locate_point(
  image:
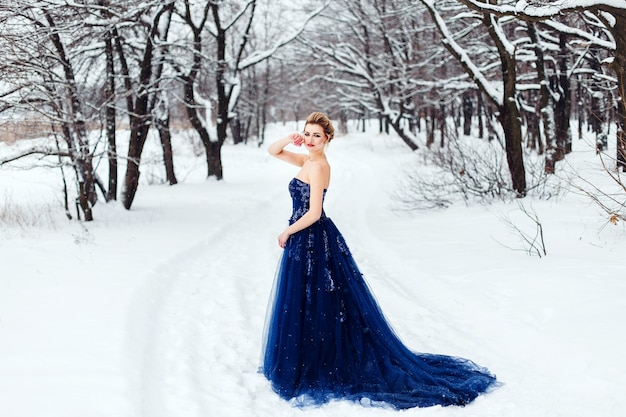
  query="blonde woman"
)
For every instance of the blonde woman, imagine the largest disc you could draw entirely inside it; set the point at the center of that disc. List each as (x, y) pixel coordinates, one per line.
(326, 337)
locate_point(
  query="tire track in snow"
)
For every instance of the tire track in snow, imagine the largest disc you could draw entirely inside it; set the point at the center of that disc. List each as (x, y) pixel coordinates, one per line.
(205, 311)
(207, 305)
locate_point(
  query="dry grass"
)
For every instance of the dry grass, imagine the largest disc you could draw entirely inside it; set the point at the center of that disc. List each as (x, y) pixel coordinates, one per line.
(26, 216)
(11, 131)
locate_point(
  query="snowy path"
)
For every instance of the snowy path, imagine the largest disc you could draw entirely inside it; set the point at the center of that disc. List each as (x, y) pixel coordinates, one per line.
(207, 305)
(201, 304)
(159, 311)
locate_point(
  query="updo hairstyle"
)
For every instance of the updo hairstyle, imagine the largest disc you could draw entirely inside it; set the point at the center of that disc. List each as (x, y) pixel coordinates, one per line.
(320, 119)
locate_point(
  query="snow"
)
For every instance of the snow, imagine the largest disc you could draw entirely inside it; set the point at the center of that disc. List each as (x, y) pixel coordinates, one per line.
(492, 91)
(548, 8)
(159, 311)
(545, 10)
(555, 7)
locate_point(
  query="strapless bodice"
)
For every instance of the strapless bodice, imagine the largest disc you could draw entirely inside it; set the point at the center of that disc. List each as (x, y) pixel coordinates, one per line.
(300, 192)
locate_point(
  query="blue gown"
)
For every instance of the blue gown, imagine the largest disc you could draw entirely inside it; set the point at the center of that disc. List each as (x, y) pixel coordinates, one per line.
(326, 337)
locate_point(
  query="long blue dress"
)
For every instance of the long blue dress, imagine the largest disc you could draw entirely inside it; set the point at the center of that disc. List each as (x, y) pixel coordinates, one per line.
(326, 337)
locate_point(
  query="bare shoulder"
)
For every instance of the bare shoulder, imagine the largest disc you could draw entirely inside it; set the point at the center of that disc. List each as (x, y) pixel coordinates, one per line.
(319, 167)
(318, 171)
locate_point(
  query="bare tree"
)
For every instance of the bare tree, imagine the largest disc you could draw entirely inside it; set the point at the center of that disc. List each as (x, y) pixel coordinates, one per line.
(45, 68)
(609, 19)
(140, 98)
(230, 27)
(368, 50)
(552, 59)
(505, 99)
(110, 98)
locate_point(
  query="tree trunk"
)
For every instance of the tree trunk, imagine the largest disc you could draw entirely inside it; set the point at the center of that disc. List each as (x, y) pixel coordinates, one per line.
(511, 124)
(533, 132)
(619, 66)
(110, 110)
(401, 132)
(343, 121)
(139, 127)
(598, 121)
(509, 113)
(74, 128)
(163, 126)
(383, 124)
(489, 120)
(580, 114)
(237, 130)
(547, 135)
(214, 154)
(430, 127)
(509, 118)
(468, 110)
(196, 123)
(139, 131)
(564, 104)
(442, 124)
(621, 121)
(214, 160)
(140, 111)
(266, 93)
(481, 114)
(110, 118)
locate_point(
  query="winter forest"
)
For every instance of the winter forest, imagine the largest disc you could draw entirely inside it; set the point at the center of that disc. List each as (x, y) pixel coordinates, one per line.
(133, 165)
(528, 76)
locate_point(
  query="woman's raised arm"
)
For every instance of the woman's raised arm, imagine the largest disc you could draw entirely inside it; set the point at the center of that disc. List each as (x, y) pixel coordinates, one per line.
(277, 149)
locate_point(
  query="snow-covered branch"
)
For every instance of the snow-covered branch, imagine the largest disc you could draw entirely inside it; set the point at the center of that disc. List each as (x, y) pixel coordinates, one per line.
(259, 56)
(594, 40)
(461, 55)
(546, 11)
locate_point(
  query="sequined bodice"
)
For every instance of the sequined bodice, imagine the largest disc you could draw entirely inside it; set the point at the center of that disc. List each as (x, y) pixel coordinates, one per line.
(300, 194)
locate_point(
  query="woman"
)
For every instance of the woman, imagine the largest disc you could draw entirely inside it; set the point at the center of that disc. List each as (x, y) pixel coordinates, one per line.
(326, 337)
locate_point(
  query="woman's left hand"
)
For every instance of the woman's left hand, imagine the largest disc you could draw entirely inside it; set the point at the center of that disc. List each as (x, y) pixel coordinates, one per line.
(282, 239)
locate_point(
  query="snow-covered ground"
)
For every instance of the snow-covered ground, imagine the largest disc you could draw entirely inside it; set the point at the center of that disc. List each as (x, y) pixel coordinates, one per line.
(159, 311)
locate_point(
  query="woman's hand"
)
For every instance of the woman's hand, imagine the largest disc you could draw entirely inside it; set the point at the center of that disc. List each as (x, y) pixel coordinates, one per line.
(277, 149)
(296, 138)
(282, 239)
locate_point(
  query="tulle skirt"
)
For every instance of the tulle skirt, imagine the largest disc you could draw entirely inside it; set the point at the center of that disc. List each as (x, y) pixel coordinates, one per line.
(326, 337)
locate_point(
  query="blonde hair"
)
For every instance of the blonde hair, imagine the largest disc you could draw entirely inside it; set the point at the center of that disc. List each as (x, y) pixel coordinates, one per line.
(320, 119)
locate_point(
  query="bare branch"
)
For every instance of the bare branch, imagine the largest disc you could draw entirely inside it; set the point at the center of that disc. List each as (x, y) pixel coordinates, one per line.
(534, 242)
(259, 56)
(34, 151)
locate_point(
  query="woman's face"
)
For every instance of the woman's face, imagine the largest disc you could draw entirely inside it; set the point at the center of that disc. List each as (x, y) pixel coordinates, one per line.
(314, 137)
